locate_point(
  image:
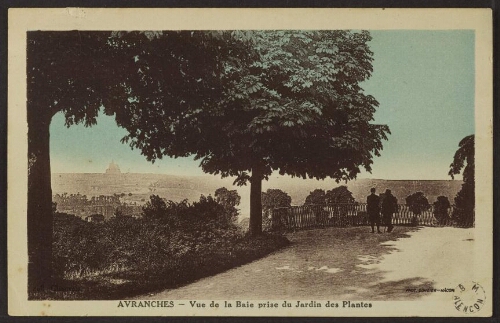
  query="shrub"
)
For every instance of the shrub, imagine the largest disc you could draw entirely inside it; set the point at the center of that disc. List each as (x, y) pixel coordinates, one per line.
(227, 198)
(271, 199)
(316, 197)
(417, 203)
(441, 207)
(338, 195)
(155, 208)
(464, 211)
(80, 247)
(342, 200)
(169, 234)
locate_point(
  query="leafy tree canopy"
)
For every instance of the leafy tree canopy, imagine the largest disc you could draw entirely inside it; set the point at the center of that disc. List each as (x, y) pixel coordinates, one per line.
(464, 211)
(316, 197)
(339, 194)
(290, 102)
(442, 202)
(464, 156)
(155, 208)
(274, 198)
(441, 207)
(417, 202)
(228, 198)
(80, 72)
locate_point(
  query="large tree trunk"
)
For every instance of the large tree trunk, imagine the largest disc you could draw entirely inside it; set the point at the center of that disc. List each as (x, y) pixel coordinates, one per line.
(39, 200)
(256, 202)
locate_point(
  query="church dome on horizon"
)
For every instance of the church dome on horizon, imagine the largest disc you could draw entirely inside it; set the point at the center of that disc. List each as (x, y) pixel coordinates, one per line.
(113, 168)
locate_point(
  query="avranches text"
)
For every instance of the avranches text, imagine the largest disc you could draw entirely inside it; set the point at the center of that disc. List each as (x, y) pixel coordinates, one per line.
(244, 304)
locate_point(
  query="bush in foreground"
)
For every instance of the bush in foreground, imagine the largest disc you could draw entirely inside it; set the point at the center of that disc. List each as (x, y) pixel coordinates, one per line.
(173, 244)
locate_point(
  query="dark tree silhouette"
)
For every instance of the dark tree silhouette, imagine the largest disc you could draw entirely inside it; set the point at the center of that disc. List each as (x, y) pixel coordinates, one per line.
(339, 195)
(417, 203)
(228, 198)
(77, 73)
(441, 207)
(464, 211)
(61, 76)
(341, 199)
(118, 213)
(316, 197)
(316, 200)
(274, 198)
(155, 208)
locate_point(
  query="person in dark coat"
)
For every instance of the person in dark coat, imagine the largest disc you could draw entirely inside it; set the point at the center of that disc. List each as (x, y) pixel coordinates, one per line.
(389, 206)
(373, 210)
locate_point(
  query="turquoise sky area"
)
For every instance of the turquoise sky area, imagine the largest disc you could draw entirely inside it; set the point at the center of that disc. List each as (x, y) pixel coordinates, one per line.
(423, 80)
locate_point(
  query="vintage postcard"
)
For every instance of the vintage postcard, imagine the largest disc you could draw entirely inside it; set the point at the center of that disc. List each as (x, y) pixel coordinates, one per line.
(250, 162)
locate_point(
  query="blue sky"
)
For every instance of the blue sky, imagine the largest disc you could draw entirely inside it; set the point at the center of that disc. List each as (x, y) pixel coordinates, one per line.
(423, 80)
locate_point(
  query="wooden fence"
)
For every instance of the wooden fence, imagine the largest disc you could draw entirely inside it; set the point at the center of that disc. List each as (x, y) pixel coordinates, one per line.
(345, 215)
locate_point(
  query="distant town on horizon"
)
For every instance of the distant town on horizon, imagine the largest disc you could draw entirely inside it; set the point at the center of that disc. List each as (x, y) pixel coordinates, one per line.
(136, 188)
(114, 169)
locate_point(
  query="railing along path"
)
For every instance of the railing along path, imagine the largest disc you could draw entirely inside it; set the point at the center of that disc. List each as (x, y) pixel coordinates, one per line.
(353, 214)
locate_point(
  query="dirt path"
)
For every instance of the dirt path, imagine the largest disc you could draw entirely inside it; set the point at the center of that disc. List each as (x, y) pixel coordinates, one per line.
(343, 263)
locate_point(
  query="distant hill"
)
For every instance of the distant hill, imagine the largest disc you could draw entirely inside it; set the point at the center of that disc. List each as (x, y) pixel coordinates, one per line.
(138, 187)
(135, 186)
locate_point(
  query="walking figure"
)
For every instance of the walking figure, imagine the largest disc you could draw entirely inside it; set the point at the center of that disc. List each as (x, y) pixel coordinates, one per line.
(389, 206)
(373, 209)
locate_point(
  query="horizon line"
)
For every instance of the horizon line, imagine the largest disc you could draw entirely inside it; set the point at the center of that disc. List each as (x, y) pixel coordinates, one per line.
(164, 174)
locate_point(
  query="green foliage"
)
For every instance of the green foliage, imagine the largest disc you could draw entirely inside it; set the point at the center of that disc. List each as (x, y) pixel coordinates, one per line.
(289, 102)
(227, 197)
(79, 246)
(149, 257)
(230, 199)
(316, 200)
(206, 211)
(316, 197)
(173, 82)
(79, 72)
(66, 73)
(168, 234)
(464, 156)
(417, 203)
(271, 199)
(274, 198)
(155, 208)
(441, 207)
(118, 213)
(464, 211)
(339, 195)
